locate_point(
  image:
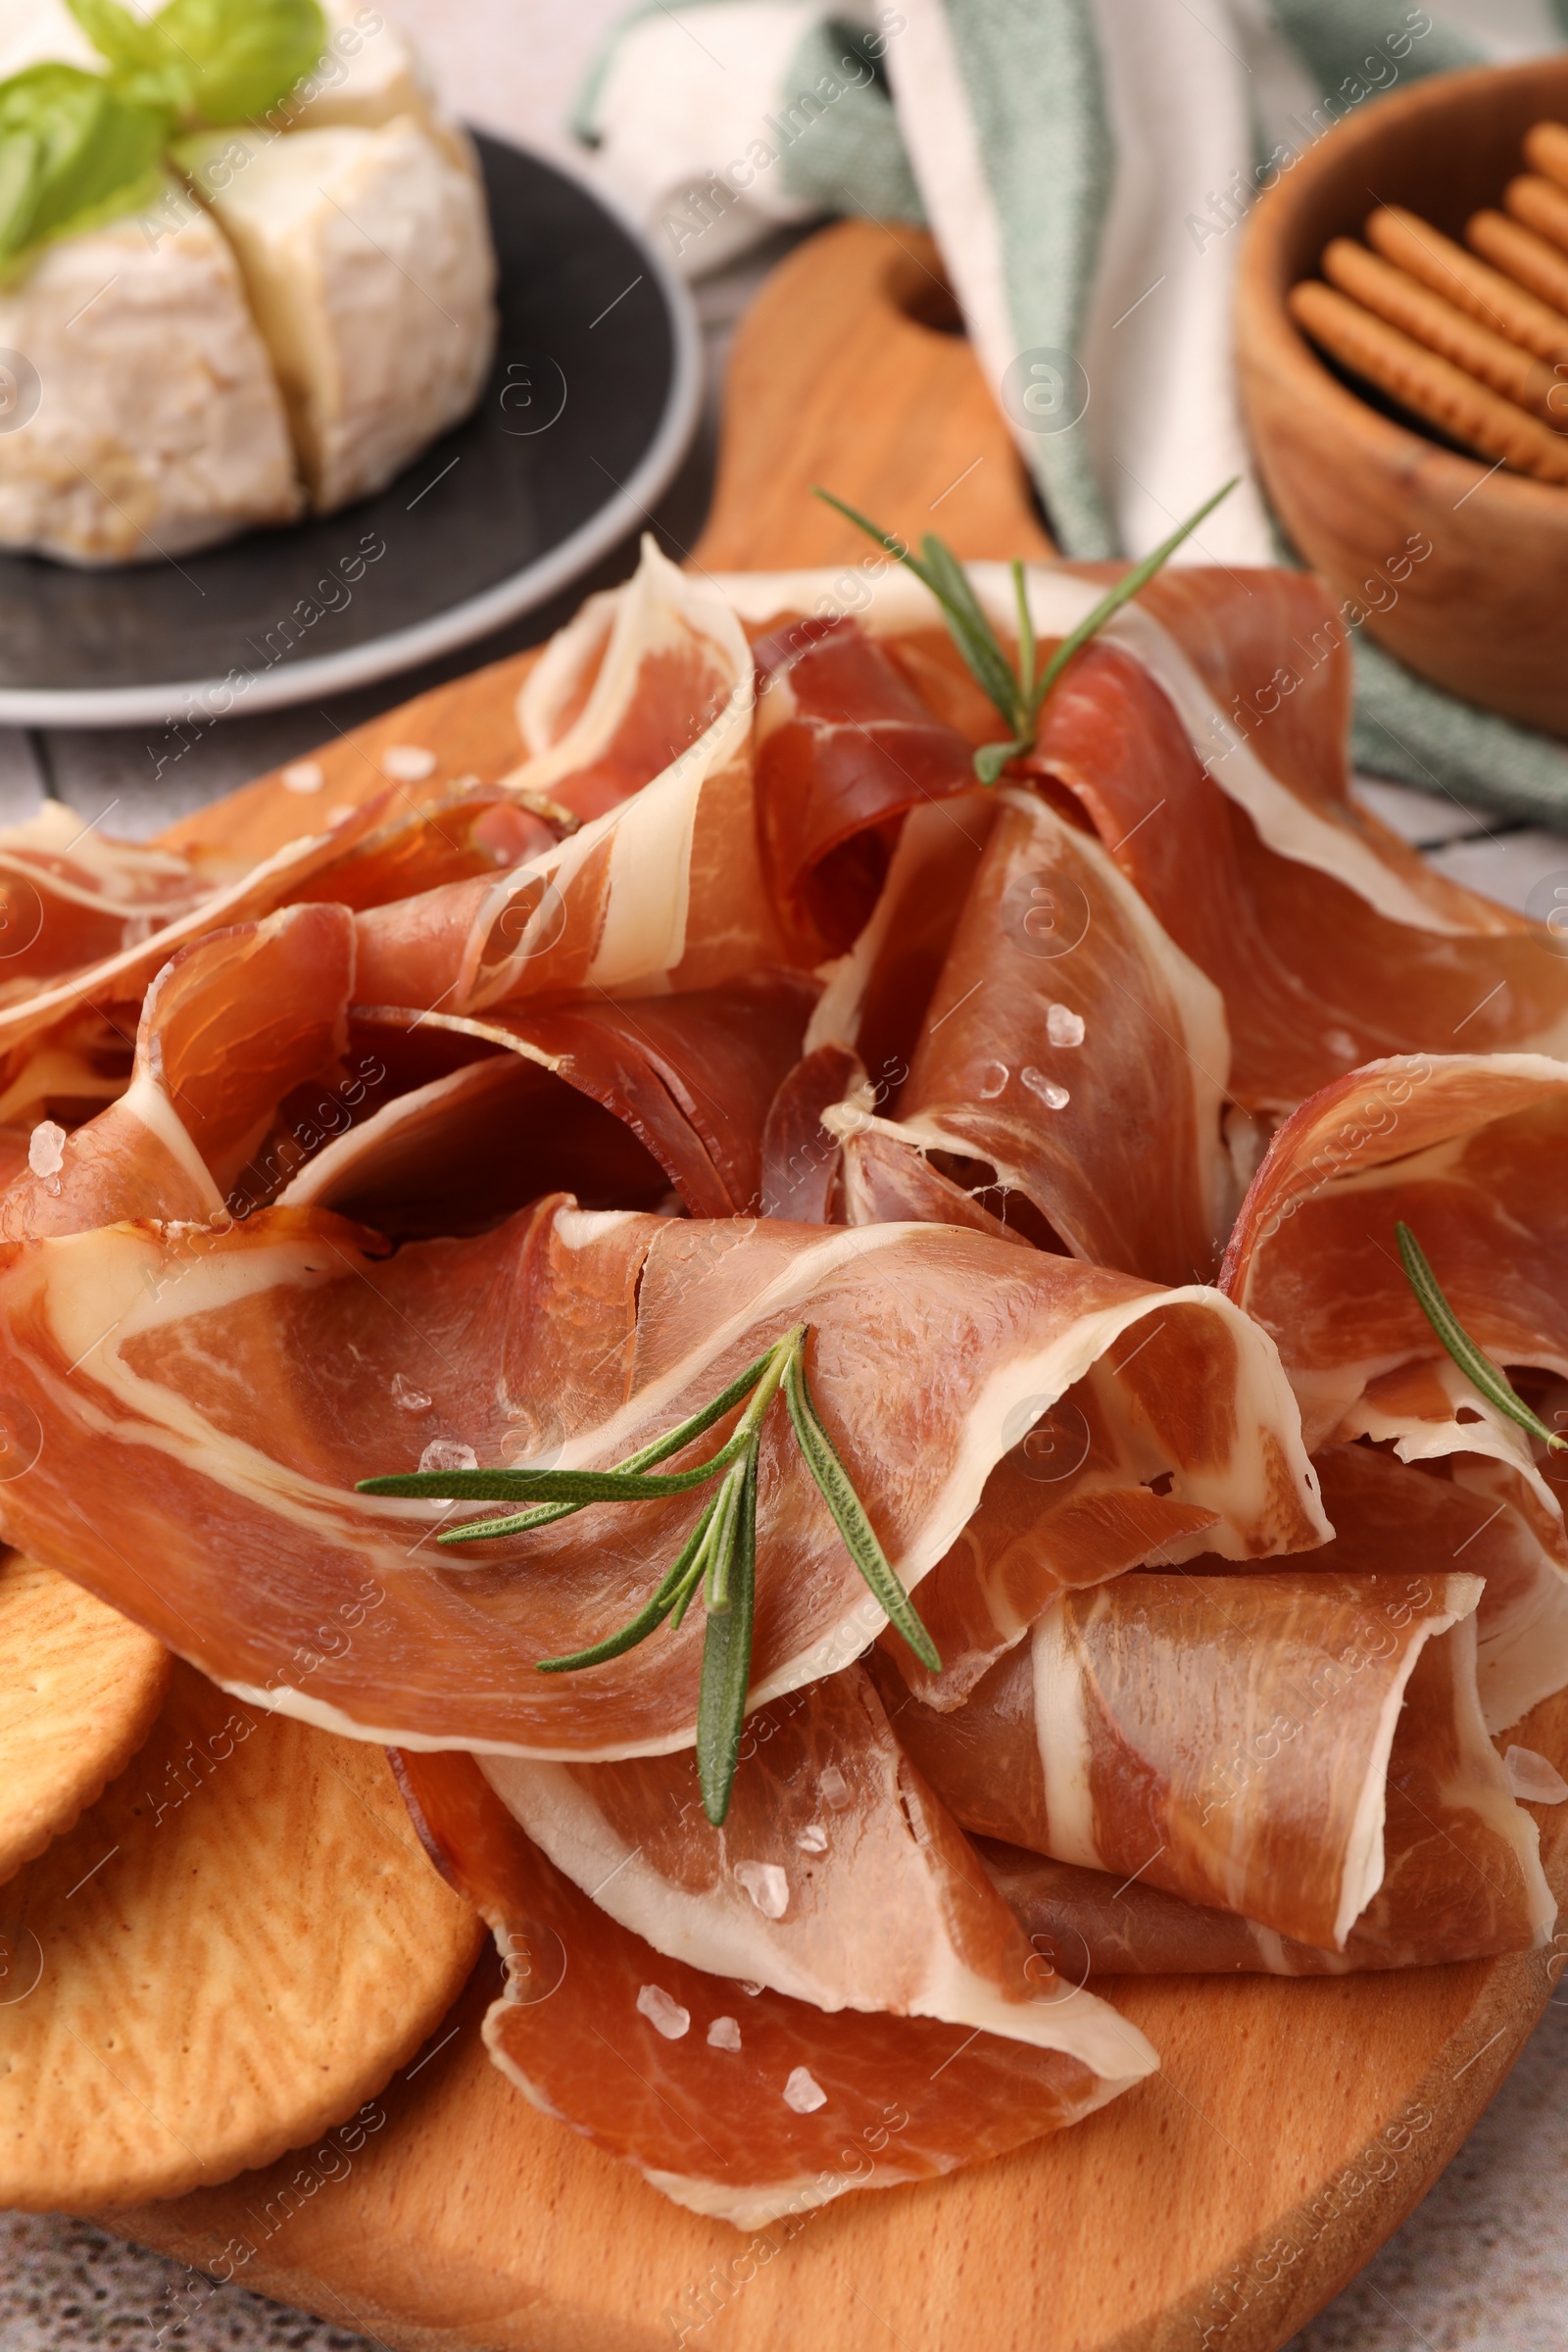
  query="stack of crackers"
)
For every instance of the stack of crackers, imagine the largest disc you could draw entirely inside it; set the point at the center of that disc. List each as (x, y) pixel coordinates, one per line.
(219, 1934)
(1471, 338)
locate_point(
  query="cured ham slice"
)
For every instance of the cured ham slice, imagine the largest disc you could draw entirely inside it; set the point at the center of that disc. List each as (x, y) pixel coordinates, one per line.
(1467, 1150)
(1316, 973)
(1490, 1519)
(641, 675)
(68, 896)
(1089, 1489)
(107, 996)
(845, 749)
(663, 886)
(616, 1104)
(220, 1393)
(663, 891)
(1064, 1034)
(838, 1878)
(1088, 1925)
(735, 2101)
(876, 997)
(230, 1024)
(1229, 1739)
(420, 846)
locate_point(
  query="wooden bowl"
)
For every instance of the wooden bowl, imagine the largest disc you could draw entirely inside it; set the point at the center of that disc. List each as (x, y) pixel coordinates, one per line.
(1485, 613)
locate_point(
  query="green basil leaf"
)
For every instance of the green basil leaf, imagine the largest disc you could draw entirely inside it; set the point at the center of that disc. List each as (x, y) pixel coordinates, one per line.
(210, 62)
(73, 151)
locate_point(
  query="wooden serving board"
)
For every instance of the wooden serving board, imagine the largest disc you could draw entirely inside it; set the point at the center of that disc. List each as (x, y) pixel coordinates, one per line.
(1295, 2123)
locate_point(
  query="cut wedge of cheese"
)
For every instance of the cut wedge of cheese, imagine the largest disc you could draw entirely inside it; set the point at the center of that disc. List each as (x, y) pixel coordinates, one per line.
(368, 74)
(367, 259)
(143, 418)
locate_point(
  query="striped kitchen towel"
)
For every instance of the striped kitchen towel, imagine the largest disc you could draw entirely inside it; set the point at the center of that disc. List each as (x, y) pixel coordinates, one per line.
(1086, 165)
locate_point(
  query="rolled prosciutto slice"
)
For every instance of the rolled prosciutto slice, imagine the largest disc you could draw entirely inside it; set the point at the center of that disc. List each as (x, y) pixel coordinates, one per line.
(69, 1011)
(663, 886)
(877, 995)
(70, 895)
(618, 1103)
(637, 678)
(1468, 1151)
(1064, 1034)
(231, 1025)
(207, 1402)
(1229, 1741)
(733, 2099)
(845, 749)
(1318, 969)
(1088, 1489)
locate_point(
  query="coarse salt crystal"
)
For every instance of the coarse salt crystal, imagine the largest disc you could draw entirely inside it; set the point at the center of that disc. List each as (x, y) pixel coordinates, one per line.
(1063, 1026)
(990, 1080)
(303, 775)
(803, 2092)
(46, 1149)
(1053, 1095)
(445, 1453)
(832, 1786)
(407, 763)
(724, 2033)
(665, 2016)
(812, 1839)
(412, 1400)
(768, 1886)
(1532, 1776)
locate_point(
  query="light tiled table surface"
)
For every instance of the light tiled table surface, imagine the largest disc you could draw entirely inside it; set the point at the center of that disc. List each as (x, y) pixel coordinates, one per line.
(1483, 2265)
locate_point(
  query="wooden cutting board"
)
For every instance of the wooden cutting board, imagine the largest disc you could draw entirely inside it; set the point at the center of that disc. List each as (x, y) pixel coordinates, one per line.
(1294, 2125)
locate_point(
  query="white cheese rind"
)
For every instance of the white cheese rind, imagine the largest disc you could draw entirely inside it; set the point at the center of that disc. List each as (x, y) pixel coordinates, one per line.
(367, 258)
(158, 426)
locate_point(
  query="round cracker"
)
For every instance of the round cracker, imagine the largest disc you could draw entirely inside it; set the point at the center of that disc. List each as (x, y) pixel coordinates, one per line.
(240, 1941)
(80, 1687)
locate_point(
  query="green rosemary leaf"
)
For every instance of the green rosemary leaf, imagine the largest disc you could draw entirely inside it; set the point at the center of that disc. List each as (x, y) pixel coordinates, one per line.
(849, 1513)
(720, 1557)
(678, 1586)
(703, 1420)
(967, 624)
(1123, 592)
(728, 1657)
(576, 1487)
(521, 1523)
(991, 758)
(972, 630)
(1016, 694)
(1476, 1367)
(1028, 649)
(873, 530)
(711, 1530)
(524, 1522)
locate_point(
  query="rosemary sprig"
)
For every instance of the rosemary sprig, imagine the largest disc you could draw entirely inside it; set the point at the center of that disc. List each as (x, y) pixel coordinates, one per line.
(1476, 1367)
(1017, 694)
(719, 1557)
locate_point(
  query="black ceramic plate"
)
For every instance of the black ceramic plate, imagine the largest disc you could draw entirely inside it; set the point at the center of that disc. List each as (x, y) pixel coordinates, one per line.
(588, 412)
